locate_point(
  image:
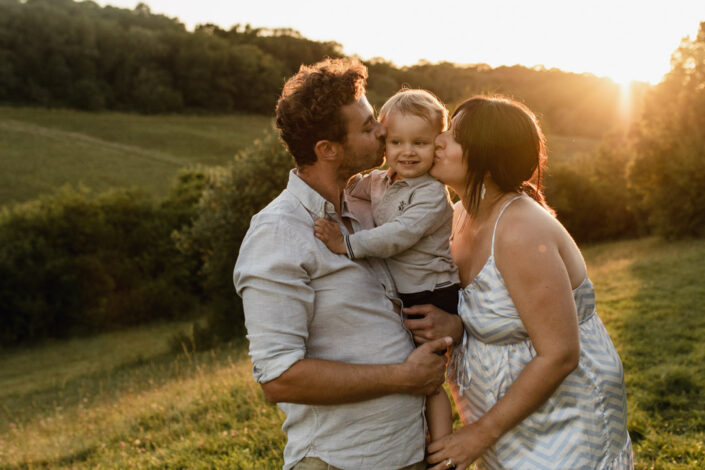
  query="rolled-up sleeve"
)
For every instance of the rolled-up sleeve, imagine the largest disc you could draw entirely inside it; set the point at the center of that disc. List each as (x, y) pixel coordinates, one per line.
(278, 301)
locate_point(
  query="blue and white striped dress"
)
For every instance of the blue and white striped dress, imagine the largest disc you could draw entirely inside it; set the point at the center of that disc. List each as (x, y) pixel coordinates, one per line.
(582, 425)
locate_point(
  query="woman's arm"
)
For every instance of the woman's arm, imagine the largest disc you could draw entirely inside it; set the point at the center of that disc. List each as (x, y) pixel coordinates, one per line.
(527, 256)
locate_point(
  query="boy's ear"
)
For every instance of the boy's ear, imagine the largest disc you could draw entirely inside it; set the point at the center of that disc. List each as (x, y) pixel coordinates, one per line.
(327, 150)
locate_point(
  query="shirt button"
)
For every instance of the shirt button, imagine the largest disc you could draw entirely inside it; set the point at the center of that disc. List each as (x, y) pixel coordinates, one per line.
(329, 206)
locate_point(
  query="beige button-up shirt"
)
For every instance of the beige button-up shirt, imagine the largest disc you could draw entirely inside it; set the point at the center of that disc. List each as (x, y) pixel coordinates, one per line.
(303, 301)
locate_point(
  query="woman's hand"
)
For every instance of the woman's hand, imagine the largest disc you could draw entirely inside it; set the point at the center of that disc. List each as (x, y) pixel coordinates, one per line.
(462, 447)
(433, 323)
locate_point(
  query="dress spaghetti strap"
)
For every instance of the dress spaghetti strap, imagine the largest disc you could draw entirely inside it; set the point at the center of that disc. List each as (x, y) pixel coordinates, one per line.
(494, 231)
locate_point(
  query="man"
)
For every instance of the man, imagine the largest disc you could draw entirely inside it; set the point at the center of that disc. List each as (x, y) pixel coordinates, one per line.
(326, 335)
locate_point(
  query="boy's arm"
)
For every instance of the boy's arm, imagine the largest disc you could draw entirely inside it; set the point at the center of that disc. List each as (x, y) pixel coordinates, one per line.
(429, 208)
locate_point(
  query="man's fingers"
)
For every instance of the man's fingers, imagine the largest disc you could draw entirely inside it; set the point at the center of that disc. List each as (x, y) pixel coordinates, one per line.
(416, 323)
(440, 344)
(418, 309)
(434, 447)
(420, 339)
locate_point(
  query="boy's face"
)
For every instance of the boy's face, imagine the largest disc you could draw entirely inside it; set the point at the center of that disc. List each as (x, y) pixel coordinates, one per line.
(409, 144)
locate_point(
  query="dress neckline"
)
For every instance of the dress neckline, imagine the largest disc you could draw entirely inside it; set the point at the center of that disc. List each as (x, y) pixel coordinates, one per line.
(491, 259)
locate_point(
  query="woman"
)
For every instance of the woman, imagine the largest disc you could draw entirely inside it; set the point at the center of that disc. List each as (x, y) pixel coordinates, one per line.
(535, 377)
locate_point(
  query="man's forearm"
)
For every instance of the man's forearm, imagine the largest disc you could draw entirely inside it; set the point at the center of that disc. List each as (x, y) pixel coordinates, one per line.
(321, 382)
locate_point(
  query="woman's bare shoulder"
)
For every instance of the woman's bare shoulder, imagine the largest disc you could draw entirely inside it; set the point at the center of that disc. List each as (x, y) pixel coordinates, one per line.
(525, 223)
(529, 230)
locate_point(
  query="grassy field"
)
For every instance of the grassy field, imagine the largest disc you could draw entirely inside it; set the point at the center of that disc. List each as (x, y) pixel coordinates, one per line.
(43, 149)
(122, 400)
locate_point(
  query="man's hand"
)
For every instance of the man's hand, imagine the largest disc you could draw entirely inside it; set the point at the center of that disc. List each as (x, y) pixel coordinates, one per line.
(329, 233)
(424, 369)
(430, 323)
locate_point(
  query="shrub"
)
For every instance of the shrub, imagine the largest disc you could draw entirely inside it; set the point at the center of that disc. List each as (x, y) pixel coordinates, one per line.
(668, 172)
(232, 196)
(73, 264)
(591, 196)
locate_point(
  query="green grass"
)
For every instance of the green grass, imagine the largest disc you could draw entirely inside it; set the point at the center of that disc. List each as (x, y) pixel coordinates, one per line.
(123, 400)
(43, 149)
(651, 295)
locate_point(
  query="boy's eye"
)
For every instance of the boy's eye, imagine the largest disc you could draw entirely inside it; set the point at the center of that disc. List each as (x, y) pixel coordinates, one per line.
(420, 142)
(394, 142)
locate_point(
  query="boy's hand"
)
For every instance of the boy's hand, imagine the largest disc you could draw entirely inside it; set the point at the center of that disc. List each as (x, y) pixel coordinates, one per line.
(329, 233)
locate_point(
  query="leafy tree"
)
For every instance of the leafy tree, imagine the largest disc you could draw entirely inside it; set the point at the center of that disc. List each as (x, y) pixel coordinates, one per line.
(70, 263)
(591, 196)
(668, 172)
(233, 195)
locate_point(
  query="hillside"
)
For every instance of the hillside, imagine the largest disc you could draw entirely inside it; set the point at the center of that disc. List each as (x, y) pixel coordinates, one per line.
(122, 399)
(44, 149)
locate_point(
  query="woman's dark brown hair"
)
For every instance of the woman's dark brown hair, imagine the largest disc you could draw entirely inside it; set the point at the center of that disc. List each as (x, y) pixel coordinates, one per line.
(501, 137)
(309, 109)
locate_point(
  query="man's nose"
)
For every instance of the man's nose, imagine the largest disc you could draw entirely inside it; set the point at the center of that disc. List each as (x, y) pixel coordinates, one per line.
(438, 141)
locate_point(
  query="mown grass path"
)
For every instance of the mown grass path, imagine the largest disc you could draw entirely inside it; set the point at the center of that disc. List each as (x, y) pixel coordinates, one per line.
(122, 400)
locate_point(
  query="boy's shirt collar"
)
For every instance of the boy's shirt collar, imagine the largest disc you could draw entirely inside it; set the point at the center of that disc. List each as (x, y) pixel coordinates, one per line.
(411, 182)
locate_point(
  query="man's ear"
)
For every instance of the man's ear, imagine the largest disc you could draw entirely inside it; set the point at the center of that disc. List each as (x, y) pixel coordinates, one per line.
(327, 150)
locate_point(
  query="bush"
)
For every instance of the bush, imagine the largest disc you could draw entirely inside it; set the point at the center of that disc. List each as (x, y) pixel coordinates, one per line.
(73, 264)
(668, 172)
(669, 182)
(591, 196)
(232, 196)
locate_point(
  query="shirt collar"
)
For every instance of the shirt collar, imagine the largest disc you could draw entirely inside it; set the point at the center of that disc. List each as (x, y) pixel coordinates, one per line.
(411, 182)
(312, 200)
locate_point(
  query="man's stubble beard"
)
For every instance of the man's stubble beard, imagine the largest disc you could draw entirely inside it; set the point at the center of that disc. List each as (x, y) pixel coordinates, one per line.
(353, 166)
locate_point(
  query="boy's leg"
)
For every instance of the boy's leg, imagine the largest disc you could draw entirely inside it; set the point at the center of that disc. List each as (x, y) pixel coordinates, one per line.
(439, 415)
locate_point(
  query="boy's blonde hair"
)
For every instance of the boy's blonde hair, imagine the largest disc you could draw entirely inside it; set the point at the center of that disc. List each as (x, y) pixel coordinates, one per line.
(417, 102)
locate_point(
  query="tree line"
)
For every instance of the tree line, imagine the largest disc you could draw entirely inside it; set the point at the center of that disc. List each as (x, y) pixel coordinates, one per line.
(73, 262)
(63, 53)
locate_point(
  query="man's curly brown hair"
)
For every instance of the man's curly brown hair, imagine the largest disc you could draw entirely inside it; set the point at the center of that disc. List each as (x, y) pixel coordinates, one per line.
(309, 109)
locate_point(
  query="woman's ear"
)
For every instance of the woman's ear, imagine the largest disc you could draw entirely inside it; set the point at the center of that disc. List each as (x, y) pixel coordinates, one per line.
(327, 150)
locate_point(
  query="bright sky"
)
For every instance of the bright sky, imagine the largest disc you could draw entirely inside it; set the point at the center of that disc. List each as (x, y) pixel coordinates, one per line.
(623, 39)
